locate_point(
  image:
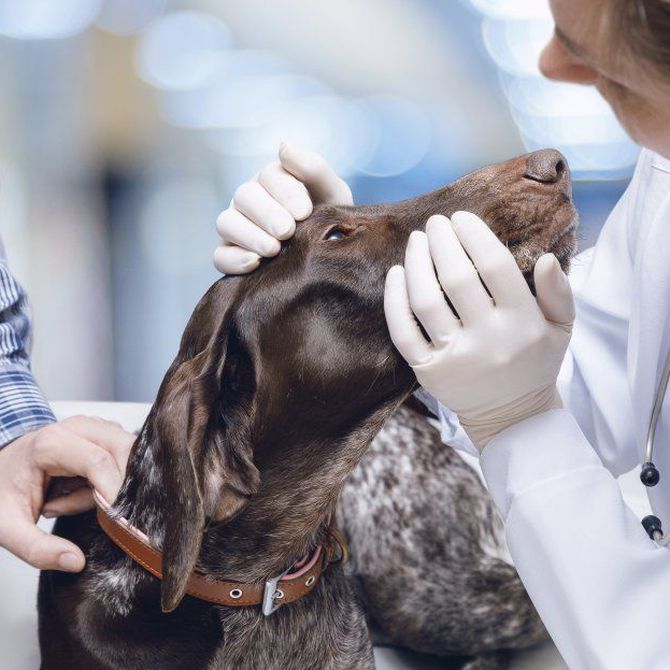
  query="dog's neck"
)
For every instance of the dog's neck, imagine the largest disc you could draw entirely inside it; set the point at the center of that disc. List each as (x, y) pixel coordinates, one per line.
(283, 522)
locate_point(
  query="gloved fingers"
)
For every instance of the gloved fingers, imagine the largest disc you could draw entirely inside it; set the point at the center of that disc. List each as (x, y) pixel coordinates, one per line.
(494, 262)
(313, 171)
(425, 295)
(554, 294)
(403, 328)
(288, 191)
(42, 550)
(455, 270)
(233, 260)
(262, 210)
(236, 228)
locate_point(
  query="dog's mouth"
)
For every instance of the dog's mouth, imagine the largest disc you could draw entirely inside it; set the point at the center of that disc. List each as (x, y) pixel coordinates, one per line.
(565, 246)
(527, 251)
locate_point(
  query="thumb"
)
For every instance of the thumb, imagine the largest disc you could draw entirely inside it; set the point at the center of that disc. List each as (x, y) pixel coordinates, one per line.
(313, 171)
(41, 550)
(554, 295)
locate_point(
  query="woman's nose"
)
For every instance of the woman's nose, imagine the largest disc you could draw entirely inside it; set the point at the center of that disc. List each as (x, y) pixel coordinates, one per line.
(557, 63)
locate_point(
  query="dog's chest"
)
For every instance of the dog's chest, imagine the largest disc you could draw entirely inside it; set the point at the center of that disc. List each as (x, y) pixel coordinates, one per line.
(328, 631)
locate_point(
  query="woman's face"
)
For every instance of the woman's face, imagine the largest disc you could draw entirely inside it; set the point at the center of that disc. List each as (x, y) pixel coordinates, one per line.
(583, 51)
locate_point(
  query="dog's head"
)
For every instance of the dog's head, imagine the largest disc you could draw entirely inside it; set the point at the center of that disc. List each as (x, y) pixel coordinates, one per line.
(284, 376)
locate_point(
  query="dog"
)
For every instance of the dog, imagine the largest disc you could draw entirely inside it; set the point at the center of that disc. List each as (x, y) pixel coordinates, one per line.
(282, 381)
(429, 560)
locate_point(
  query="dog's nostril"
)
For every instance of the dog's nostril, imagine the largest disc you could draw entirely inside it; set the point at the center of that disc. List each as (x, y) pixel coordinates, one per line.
(547, 166)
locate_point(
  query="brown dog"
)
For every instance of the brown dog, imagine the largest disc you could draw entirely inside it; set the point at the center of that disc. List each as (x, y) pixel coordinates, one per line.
(282, 380)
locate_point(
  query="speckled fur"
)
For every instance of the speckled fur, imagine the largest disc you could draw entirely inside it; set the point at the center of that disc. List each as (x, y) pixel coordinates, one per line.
(282, 380)
(428, 549)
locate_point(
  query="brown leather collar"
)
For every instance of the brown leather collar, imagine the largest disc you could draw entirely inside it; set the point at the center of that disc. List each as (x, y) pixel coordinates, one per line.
(284, 588)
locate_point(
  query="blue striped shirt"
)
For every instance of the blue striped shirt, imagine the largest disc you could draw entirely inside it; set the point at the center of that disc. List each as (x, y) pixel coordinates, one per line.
(23, 407)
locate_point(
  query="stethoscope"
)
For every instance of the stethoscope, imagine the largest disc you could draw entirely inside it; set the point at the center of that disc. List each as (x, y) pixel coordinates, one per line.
(649, 475)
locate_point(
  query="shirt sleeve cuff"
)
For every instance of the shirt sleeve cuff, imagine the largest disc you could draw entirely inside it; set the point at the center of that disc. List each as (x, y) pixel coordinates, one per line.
(23, 407)
(528, 454)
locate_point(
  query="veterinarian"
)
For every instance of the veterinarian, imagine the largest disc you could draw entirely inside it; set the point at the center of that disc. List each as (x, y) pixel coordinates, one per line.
(601, 585)
(34, 447)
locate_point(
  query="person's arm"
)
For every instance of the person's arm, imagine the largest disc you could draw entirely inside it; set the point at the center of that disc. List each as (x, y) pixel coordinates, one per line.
(596, 389)
(23, 407)
(608, 596)
(600, 585)
(34, 448)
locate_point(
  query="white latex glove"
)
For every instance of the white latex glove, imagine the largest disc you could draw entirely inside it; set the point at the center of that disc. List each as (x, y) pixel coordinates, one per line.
(265, 210)
(497, 364)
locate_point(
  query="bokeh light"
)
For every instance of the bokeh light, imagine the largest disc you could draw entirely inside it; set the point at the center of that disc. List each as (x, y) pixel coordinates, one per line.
(403, 136)
(338, 128)
(513, 9)
(246, 102)
(236, 100)
(514, 45)
(182, 50)
(125, 17)
(574, 119)
(46, 19)
(169, 243)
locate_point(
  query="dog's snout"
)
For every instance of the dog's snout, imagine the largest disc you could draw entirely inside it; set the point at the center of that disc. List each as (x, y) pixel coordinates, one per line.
(547, 166)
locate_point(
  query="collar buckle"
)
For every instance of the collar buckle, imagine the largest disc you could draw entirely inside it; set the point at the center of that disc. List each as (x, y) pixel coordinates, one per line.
(272, 595)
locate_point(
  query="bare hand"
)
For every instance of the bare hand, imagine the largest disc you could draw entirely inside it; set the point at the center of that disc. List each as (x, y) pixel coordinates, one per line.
(81, 446)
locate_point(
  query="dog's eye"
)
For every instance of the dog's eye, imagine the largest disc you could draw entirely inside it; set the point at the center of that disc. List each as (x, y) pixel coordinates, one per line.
(335, 234)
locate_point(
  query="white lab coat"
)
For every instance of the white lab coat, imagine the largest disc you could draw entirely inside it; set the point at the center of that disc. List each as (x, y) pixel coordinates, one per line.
(600, 584)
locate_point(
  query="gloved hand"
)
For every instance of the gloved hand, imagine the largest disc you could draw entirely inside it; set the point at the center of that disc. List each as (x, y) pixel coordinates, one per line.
(497, 364)
(265, 210)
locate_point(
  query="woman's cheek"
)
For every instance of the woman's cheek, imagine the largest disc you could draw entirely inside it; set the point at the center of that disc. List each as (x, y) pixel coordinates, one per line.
(624, 104)
(644, 121)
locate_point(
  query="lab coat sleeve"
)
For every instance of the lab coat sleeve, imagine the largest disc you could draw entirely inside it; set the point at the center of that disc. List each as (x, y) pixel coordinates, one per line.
(593, 379)
(600, 585)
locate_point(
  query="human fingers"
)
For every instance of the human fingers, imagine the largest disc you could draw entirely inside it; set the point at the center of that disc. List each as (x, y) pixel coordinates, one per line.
(425, 294)
(313, 170)
(405, 332)
(458, 276)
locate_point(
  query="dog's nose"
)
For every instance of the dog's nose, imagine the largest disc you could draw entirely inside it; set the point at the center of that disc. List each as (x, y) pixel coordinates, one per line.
(547, 166)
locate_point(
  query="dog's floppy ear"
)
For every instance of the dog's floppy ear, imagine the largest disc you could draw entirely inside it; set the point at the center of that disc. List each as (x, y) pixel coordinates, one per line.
(206, 460)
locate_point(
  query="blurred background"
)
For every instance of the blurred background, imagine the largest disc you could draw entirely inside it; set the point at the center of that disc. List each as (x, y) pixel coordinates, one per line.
(127, 124)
